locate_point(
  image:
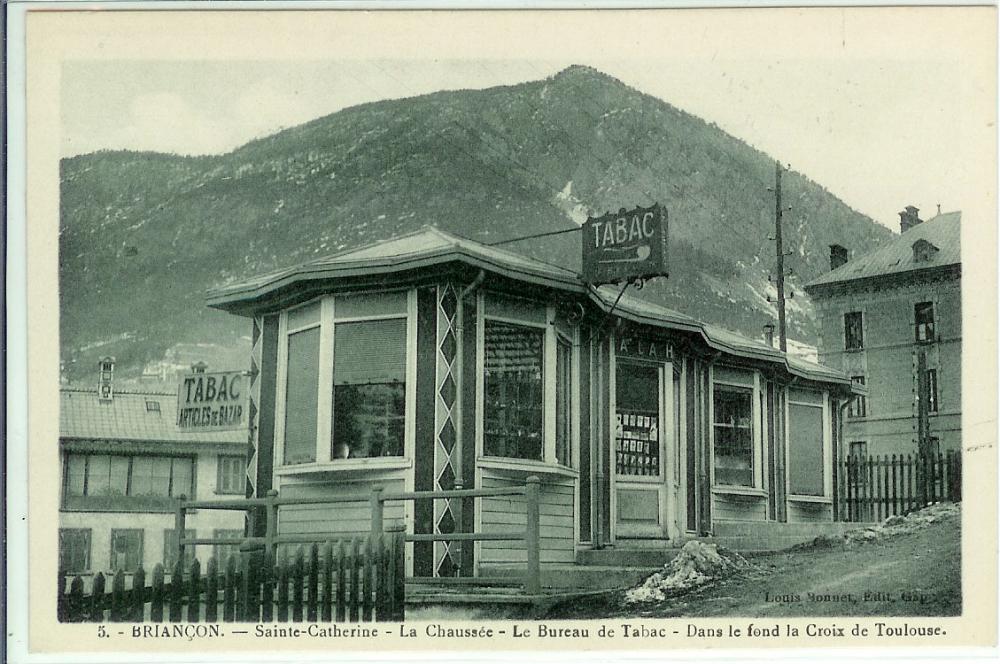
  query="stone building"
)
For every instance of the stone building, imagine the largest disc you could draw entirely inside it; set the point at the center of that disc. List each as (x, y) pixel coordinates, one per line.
(892, 320)
(124, 464)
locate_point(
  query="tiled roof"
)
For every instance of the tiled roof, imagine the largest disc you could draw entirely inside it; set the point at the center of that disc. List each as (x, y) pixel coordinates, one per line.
(432, 246)
(896, 257)
(127, 417)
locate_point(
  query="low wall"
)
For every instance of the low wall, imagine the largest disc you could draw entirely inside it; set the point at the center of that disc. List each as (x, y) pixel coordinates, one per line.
(773, 536)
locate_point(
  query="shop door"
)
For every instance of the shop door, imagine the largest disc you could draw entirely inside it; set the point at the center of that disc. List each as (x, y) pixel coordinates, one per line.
(639, 451)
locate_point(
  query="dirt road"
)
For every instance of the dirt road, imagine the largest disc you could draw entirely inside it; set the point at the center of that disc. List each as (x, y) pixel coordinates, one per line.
(912, 574)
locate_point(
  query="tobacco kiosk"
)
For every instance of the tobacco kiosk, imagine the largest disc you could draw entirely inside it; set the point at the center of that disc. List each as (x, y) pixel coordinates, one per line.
(430, 361)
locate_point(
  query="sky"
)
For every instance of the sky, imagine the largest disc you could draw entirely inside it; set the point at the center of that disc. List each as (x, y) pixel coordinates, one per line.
(880, 125)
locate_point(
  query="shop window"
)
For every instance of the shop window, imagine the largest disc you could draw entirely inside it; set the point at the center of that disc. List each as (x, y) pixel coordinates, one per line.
(126, 549)
(231, 475)
(923, 316)
(102, 481)
(74, 550)
(853, 331)
(637, 419)
(806, 473)
(564, 373)
(733, 429)
(859, 404)
(369, 393)
(223, 552)
(301, 396)
(513, 391)
(170, 550)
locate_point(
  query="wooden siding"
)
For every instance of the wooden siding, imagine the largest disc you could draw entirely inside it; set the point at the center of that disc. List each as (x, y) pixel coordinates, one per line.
(507, 515)
(730, 508)
(809, 512)
(338, 519)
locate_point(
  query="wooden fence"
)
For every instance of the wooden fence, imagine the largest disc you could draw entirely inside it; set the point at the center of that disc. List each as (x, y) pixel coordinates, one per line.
(873, 488)
(356, 580)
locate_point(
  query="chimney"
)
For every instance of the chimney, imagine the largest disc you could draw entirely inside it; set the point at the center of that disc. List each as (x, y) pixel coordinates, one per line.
(838, 256)
(769, 334)
(105, 379)
(909, 218)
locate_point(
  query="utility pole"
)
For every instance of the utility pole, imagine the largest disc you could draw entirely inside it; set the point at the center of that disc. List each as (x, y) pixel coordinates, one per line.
(780, 277)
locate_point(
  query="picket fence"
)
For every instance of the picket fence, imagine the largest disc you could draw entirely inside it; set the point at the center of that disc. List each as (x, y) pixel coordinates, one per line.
(874, 488)
(356, 580)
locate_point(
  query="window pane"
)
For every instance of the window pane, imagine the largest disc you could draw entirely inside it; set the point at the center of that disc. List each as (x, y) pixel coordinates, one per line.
(359, 306)
(98, 475)
(181, 482)
(733, 437)
(306, 315)
(369, 398)
(74, 550)
(368, 420)
(564, 373)
(170, 549)
(142, 476)
(369, 352)
(126, 550)
(923, 316)
(301, 396)
(637, 428)
(222, 552)
(232, 474)
(513, 391)
(76, 465)
(159, 482)
(853, 331)
(805, 450)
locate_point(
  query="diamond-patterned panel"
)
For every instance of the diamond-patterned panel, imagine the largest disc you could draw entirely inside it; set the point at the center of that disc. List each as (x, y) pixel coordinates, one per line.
(444, 425)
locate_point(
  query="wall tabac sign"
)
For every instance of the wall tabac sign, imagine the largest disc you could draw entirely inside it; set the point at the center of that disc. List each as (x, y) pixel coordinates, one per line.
(212, 402)
(628, 245)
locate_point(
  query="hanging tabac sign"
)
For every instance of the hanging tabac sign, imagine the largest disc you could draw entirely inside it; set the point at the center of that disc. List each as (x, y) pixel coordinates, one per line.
(631, 244)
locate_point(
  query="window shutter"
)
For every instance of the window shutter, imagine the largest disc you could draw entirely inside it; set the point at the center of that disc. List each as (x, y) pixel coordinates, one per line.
(369, 352)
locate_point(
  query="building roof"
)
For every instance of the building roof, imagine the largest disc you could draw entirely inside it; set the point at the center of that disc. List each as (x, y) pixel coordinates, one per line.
(429, 247)
(128, 418)
(896, 257)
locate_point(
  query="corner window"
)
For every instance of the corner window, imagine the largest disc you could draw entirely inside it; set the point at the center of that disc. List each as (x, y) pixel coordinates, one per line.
(859, 404)
(74, 550)
(733, 429)
(806, 444)
(126, 549)
(231, 475)
(369, 389)
(345, 366)
(513, 391)
(853, 331)
(923, 316)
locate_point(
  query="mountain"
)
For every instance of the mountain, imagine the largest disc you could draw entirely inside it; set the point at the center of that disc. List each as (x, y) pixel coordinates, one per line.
(142, 235)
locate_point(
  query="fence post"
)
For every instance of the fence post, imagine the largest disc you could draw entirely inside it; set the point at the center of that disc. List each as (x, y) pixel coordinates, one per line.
(137, 610)
(271, 521)
(156, 596)
(532, 494)
(458, 507)
(180, 517)
(399, 572)
(194, 592)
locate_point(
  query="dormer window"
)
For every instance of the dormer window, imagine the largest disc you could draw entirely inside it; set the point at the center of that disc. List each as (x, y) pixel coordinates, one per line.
(923, 251)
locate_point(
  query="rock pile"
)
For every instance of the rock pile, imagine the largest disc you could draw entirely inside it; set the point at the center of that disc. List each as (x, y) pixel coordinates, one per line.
(697, 564)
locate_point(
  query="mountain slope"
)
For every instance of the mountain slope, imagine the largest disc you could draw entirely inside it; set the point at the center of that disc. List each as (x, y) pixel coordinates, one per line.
(142, 234)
